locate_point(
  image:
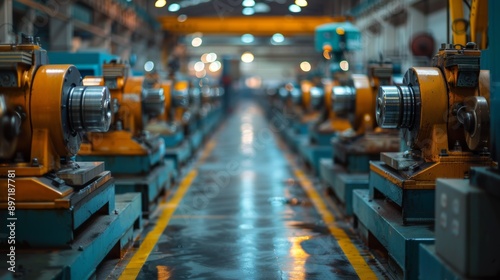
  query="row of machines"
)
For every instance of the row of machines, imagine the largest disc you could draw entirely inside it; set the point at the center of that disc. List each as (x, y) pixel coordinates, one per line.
(413, 160)
(84, 159)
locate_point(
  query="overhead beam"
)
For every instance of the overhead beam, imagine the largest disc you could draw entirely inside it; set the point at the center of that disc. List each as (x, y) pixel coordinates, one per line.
(256, 25)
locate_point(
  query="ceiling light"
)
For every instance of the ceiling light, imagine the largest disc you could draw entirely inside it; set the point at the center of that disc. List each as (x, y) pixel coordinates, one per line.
(248, 11)
(301, 3)
(199, 66)
(160, 3)
(344, 65)
(247, 38)
(196, 42)
(247, 57)
(215, 66)
(148, 66)
(294, 8)
(201, 74)
(262, 8)
(211, 57)
(182, 18)
(278, 38)
(204, 57)
(248, 3)
(305, 66)
(174, 7)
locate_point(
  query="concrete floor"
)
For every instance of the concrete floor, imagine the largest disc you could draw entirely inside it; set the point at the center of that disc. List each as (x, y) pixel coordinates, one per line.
(246, 217)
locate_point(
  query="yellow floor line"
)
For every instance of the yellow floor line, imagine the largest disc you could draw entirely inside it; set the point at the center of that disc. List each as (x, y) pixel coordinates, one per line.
(352, 253)
(140, 257)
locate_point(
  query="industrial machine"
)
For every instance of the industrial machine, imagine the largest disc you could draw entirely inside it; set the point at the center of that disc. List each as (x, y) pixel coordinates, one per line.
(442, 112)
(174, 124)
(364, 141)
(133, 154)
(211, 106)
(467, 210)
(304, 110)
(335, 41)
(63, 215)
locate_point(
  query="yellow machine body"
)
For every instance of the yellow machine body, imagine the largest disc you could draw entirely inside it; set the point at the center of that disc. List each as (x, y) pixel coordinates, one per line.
(441, 146)
(181, 86)
(331, 122)
(128, 94)
(40, 95)
(167, 90)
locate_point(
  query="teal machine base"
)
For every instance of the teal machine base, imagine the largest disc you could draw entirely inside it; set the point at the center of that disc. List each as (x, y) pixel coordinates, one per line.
(312, 154)
(417, 205)
(295, 140)
(58, 227)
(321, 139)
(195, 140)
(353, 157)
(380, 224)
(326, 171)
(104, 238)
(342, 183)
(172, 140)
(148, 175)
(180, 154)
(316, 148)
(152, 186)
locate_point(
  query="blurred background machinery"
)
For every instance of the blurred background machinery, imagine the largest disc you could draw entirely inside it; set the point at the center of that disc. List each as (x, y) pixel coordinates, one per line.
(353, 148)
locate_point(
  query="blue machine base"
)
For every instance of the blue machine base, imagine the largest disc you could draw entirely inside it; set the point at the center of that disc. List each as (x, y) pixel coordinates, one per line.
(433, 267)
(57, 227)
(344, 185)
(127, 164)
(105, 237)
(173, 140)
(312, 154)
(378, 219)
(209, 123)
(300, 127)
(195, 140)
(322, 139)
(179, 154)
(151, 186)
(173, 173)
(417, 204)
(326, 171)
(294, 140)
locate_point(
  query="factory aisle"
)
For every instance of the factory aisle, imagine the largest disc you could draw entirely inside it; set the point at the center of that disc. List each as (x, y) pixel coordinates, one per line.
(243, 216)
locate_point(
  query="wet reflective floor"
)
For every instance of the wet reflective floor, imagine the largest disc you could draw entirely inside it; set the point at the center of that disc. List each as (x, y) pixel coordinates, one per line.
(245, 217)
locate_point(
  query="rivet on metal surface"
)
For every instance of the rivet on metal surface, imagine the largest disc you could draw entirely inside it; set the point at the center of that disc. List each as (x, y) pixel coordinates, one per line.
(406, 154)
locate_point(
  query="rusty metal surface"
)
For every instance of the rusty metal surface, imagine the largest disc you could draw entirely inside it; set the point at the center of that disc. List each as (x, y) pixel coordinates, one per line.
(244, 217)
